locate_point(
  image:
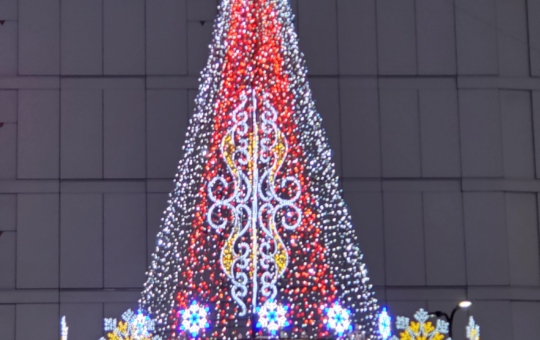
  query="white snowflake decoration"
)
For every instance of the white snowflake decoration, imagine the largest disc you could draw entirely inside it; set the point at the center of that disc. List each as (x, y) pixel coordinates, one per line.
(473, 330)
(194, 318)
(272, 316)
(385, 324)
(142, 325)
(338, 319)
(425, 329)
(139, 326)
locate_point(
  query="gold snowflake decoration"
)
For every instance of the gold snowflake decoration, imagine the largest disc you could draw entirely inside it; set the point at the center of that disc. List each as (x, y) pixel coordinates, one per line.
(473, 330)
(421, 329)
(134, 327)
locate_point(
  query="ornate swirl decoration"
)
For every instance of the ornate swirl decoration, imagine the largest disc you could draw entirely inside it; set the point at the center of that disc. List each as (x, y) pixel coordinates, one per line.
(276, 209)
(255, 202)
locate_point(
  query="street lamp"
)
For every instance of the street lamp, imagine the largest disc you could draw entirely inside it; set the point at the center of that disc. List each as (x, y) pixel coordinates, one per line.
(450, 319)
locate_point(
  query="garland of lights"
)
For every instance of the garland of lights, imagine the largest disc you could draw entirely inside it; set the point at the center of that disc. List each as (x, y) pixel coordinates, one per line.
(273, 317)
(257, 213)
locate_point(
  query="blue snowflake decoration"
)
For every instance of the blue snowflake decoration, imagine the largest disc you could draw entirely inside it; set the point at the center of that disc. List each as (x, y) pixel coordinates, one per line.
(338, 319)
(272, 316)
(194, 318)
(385, 324)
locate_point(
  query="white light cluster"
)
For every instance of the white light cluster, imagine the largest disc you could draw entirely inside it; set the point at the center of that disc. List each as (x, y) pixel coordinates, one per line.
(63, 329)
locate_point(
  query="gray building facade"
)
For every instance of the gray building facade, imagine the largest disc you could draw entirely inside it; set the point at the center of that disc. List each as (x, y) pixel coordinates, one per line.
(432, 108)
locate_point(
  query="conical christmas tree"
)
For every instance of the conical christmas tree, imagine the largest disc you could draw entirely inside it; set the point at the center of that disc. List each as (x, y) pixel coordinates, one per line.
(257, 238)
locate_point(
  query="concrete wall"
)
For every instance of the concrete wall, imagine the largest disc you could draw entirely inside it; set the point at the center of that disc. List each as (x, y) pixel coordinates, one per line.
(432, 108)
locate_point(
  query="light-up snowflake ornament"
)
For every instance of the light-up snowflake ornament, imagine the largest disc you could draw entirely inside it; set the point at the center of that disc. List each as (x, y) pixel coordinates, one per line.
(385, 324)
(338, 319)
(473, 330)
(194, 318)
(421, 329)
(272, 316)
(133, 327)
(142, 325)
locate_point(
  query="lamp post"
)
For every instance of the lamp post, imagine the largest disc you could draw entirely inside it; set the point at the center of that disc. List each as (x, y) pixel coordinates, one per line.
(462, 305)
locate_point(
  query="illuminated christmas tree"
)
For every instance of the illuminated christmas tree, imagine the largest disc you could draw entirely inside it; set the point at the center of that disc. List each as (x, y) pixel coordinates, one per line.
(256, 237)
